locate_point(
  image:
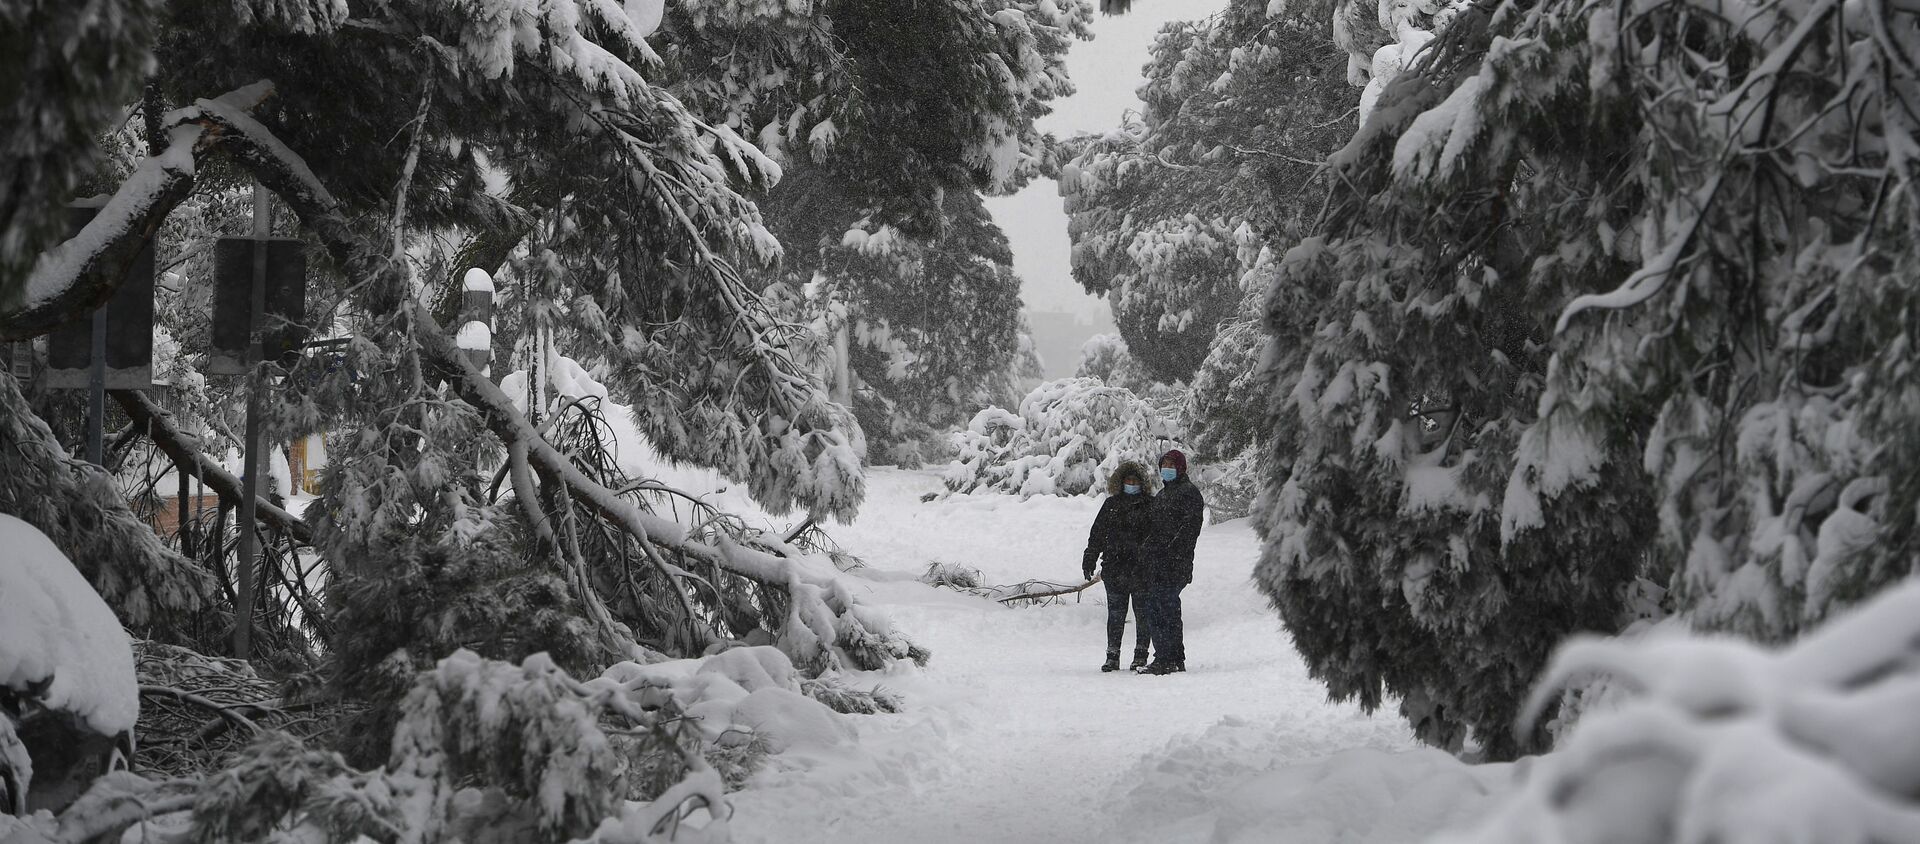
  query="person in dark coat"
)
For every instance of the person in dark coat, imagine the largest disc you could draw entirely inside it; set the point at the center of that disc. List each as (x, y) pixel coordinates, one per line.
(1173, 527)
(1118, 536)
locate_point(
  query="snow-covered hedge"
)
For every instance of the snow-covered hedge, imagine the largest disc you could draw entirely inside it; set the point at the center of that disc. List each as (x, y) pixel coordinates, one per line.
(1068, 436)
(1720, 740)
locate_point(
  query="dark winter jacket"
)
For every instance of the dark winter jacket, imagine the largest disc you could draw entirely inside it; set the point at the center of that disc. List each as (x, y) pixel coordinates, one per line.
(1120, 530)
(1173, 526)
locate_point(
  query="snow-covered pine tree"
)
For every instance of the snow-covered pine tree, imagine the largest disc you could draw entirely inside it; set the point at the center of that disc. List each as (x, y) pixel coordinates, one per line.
(933, 326)
(1106, 357)
(1242, 107)
(1588, 286)
(1408, 364)
(1239, 108)
(879, 205)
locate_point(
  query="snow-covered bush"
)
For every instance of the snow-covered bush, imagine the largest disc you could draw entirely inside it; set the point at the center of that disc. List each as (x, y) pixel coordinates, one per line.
(1721, 740)
(1069, 435)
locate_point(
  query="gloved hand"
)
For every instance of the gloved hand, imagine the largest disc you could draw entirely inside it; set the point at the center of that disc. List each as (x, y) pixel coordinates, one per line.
(1088, 573)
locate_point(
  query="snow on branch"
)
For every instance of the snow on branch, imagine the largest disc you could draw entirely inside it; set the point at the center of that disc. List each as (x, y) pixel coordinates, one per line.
(81, 273)
(1650, 279)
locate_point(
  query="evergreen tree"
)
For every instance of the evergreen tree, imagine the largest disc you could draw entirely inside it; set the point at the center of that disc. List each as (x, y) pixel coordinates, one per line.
(1570, 287)
(1169, 210)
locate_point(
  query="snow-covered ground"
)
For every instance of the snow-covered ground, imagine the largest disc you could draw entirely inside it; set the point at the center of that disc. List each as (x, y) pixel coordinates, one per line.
(1013, 734)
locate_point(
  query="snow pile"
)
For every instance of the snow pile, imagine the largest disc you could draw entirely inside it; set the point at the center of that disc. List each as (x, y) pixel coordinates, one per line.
(1235, 783)
(1359, 797)
(54, 629)
(1069, 435)
(1720, 740)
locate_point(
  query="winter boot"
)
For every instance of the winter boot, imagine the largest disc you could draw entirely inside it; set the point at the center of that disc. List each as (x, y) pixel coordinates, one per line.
(1113, 661)
(1139, 661)
(1164, 667)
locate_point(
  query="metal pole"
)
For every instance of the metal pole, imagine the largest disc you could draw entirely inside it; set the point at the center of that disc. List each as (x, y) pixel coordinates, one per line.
(186, 517)
(97, 392)
(250, 477)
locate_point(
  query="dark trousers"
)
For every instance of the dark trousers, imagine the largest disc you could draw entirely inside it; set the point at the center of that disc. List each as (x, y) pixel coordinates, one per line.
(1119, 597)
(1164, 622)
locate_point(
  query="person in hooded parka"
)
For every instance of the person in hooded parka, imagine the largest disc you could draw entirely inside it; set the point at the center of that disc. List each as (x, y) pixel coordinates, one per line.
(1116, 544)
(1176, 518)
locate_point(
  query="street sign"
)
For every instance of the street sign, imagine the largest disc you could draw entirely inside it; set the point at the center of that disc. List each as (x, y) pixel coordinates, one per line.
(128, 329)
(286, 301)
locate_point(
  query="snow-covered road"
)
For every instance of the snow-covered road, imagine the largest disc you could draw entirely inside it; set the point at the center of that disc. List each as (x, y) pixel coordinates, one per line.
(1012, 733)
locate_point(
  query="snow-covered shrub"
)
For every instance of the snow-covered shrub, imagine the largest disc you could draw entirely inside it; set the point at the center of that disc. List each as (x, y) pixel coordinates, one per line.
(429, 599)
(1721, 740)
(1069, 435)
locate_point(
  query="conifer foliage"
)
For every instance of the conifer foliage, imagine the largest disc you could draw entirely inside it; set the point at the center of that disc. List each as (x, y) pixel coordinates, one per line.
(1601, 292)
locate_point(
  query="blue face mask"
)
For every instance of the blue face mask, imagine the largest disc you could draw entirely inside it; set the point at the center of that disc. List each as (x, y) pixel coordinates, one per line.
(1132, 489)
(1167, 473)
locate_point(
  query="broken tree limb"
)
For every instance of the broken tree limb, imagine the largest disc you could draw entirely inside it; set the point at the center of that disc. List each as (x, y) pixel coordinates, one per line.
(1053, 590)
(184, 450)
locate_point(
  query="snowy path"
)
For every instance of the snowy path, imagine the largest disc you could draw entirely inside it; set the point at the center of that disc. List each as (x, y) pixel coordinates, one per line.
(1012, 733)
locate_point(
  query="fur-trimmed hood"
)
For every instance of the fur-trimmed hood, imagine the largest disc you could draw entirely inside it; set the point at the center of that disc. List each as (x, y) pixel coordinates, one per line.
(1129, 467)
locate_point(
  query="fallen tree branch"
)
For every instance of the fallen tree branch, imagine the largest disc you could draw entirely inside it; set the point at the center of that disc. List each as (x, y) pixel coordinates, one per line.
(184, 449)
(1055, 590)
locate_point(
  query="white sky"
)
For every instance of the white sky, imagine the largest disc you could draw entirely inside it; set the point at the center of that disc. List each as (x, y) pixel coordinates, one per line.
(1106, 72)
